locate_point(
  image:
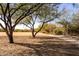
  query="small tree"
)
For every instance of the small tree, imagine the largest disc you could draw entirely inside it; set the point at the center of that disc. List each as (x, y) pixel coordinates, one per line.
(65, 24)
(10, 11)
(45, 14)
(74, 27)
(65, 19)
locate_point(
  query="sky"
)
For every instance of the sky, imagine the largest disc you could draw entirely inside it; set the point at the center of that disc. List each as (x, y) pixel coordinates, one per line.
(67, 6)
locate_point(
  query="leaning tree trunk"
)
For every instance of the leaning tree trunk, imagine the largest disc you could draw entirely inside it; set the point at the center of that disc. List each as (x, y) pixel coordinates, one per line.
(33, 34)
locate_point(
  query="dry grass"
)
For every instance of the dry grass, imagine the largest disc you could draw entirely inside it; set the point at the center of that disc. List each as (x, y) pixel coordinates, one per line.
(43, 44)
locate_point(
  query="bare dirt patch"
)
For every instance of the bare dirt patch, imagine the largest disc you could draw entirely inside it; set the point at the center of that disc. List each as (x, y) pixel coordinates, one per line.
(43, 44)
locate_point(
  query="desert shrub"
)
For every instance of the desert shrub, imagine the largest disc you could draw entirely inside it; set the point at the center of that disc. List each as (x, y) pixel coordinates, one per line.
(47, 28)
(58, 31)
(52, 29)
(73, 29)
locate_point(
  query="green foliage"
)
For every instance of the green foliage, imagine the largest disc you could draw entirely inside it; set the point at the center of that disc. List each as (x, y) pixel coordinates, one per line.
(52, 29)
(59, 31)
(48, 12)
(18, 30)
(73, 29)
(48, 28)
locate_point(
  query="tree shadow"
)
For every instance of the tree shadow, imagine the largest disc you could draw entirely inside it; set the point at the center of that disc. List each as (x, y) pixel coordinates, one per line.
(39, 37)
(57, 47)
(47, 37)
(33, 46)
(47, 49)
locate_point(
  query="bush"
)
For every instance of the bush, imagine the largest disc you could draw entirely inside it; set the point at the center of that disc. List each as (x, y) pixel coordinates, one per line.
(59, 31)
(52, 29)
(74, 29)
(47, 28)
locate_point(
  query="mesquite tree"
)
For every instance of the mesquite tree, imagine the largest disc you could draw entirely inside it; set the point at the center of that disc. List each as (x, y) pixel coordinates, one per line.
(45, 14)
(12, 14)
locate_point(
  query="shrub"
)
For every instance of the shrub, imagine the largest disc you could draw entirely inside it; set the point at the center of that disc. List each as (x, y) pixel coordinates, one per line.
(59, 31)
(52, 29)
(48, 28)
(74, 29)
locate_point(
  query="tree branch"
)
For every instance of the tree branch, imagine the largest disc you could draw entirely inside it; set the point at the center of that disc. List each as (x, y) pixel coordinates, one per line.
(26, 25)
(28, 13)
(2, 19)
(2, 26)
(24, 14)
(18, 9)
(2, 8)
(40, 28)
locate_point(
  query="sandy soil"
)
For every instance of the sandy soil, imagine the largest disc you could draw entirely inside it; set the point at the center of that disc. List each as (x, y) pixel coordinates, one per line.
(43, 44)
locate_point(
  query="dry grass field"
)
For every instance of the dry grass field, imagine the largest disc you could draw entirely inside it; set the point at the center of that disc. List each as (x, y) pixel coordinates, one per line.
(42, 45)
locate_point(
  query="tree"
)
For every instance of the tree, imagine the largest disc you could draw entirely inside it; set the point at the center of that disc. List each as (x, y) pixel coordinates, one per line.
(74, 28)
(75, 18)
(65, 19)
(45, 14)
(9, 11)
(65, 24)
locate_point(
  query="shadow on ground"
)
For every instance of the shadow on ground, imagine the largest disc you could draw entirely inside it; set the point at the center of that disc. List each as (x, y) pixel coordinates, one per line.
(47, 46)
(47, 49)
(41, 46)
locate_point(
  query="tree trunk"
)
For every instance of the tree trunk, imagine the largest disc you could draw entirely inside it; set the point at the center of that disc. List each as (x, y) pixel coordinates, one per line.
(33, 35)
(10, 37)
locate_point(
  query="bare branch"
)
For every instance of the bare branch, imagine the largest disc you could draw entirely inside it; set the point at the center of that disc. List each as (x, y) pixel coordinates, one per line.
(2, 26)
(26, 25)
(34, 19)
(2, 19)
